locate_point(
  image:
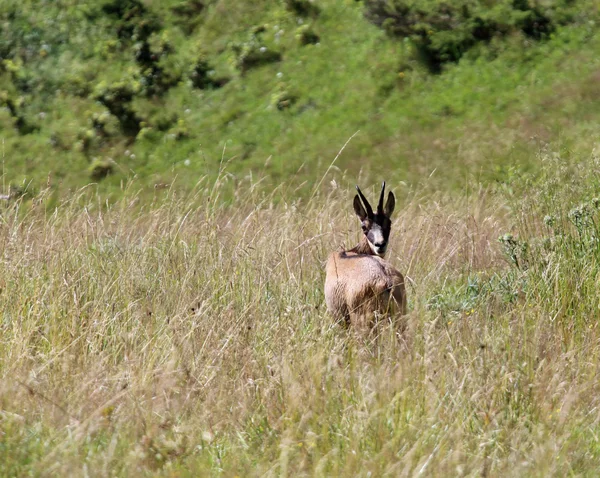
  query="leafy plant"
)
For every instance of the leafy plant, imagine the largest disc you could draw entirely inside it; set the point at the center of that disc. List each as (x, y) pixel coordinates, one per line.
(306, 35)
(101, 168)
(443, 31)
(515, 250)
(117, 98)
(202, 75)
(156, 74)
(188, 14)
(133, 20)
(15, 108)
(302, 7)
(283, 98)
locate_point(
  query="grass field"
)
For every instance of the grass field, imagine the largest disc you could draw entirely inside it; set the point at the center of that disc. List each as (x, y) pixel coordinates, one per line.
(173, 200)
(185, 338)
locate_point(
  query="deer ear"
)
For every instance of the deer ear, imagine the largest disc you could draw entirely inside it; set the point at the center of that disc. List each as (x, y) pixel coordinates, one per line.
(359, 209)
(390, 204)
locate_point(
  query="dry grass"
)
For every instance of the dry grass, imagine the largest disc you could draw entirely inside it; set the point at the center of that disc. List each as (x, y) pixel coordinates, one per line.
(185, 339)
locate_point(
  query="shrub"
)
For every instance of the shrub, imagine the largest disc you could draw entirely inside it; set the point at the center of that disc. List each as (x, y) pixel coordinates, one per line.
(306, 35)
(147, 133)
(157, 75)
(102, 124)
(15, 109)
(100, 168)
(283, 99)
(133, 21)
(20, 78)
(443, 31)
(187, 14)
(162, 120)
(85, 140)
(117, 99)
(179, 131)
(202, 75)
(136, 23)
(77, 85)
(302, 7)
(188, 8)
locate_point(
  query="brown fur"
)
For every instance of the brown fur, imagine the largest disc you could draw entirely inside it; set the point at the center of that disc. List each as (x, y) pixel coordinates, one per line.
(361, 286)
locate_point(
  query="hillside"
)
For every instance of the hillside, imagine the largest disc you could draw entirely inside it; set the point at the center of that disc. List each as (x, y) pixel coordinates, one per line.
(170, 320)
(179, 90)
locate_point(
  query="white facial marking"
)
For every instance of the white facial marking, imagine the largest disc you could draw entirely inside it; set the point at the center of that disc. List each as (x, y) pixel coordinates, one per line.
(376, 235)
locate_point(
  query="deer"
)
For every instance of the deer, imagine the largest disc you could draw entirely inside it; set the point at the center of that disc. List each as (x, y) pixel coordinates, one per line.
(360, 285)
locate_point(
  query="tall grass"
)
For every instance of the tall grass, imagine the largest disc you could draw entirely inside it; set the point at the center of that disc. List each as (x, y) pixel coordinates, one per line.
(185, 338)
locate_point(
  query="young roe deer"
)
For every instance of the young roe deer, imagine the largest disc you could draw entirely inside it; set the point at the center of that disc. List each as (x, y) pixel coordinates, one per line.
(360, 285)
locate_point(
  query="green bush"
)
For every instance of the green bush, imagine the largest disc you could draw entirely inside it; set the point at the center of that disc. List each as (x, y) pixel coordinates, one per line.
(302, 7)
(133, 20)
(77, 85)
(117, 99)
(102, 124)
(85, 140)
(283, 99)
(443, 31)
(306, 35)
(15, 109)
(20, 77)
(162, 120)
(157, 73)
(187, 14)
(100, 168)
(202, 75)
(179, 131)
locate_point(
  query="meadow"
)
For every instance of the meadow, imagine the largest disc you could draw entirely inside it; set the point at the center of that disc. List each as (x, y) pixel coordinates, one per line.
(177, 173)
(182, 337)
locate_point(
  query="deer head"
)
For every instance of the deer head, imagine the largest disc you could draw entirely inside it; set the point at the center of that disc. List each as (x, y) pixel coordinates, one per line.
(376, 226)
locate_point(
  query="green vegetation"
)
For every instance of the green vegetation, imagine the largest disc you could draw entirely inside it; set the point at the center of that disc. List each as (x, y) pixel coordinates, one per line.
(443, 32)
(170, 92)
(184, 338)
(169, 320)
